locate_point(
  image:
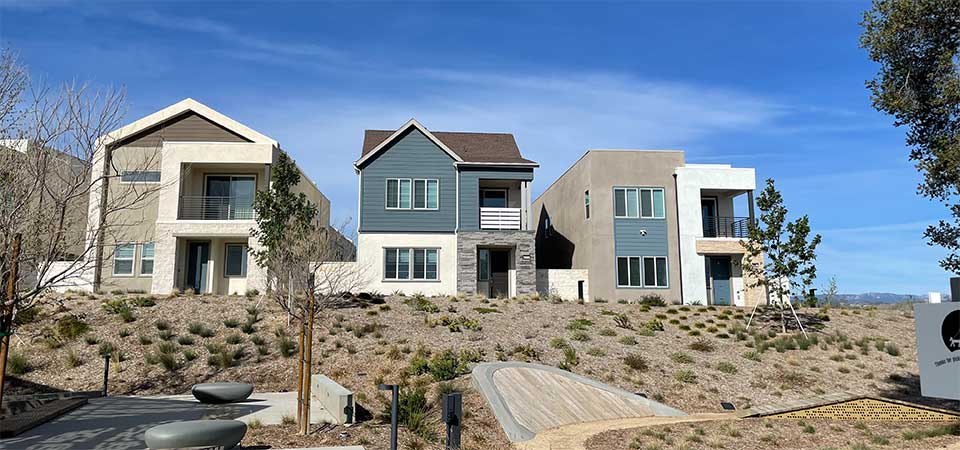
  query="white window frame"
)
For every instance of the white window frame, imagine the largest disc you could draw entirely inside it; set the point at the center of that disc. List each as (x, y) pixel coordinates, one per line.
(656, 277)
(639, 204)
(124, 172)
(653, 209)
(426, 198)
(132, 259)
(411, 252)
(244, 258)
(617, 272)
(140, 271)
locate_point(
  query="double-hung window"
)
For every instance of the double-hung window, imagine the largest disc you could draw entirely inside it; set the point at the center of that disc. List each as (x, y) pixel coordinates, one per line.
(123, 259)
(405, 193)
(236, 261)
(410, 264)
(647, 271)
(655, 271)
(628, 271)
(146, 258)
(633, 203)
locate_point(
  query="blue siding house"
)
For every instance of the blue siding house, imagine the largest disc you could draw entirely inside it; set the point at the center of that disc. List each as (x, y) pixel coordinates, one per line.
(443, 213)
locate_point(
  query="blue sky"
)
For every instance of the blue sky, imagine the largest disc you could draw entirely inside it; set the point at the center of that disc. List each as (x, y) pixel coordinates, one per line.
(776, 86)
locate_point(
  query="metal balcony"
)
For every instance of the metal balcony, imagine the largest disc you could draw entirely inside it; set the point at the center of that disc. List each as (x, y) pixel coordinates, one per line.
(726, 227)
(202, 207)
(500, 218)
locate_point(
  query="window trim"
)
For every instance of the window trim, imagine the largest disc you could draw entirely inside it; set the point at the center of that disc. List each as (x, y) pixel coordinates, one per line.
(639, 205)
(643, 263)
(412, 207)
(140, 260)
(244, 259)
(133, 260)
(506, 196)
(124, 172)
(410, 267)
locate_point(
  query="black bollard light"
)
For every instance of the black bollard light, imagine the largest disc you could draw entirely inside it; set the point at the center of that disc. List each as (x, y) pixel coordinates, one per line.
(106, 373)
(394, 406)
(452, 413)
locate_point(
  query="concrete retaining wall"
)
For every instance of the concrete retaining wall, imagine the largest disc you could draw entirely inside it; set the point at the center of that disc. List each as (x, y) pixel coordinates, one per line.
(563, 283)
(336, 399)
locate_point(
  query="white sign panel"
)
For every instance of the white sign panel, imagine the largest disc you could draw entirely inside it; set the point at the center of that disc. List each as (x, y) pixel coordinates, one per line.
(938, 349)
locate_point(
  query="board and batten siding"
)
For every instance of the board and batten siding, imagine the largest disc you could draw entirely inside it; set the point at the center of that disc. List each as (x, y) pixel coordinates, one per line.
(412, 156)
(470, 191)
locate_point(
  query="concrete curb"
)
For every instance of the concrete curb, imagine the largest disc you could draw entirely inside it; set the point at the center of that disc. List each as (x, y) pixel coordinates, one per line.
(482, 376)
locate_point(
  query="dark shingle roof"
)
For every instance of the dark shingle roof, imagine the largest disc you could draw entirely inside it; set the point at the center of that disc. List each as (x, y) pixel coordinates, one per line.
(471, 147)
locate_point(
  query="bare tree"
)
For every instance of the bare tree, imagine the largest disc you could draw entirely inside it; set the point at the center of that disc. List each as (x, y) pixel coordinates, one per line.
(305, 263)
(51, 161)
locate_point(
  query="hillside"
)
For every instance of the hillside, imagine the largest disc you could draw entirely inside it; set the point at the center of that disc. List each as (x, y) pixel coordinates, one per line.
(692, 358)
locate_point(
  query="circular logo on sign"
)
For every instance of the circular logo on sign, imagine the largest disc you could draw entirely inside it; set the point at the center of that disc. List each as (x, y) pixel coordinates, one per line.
(950, 330)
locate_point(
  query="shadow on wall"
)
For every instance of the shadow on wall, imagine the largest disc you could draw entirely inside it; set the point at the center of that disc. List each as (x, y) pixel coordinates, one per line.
(554, 250)
(905, 386)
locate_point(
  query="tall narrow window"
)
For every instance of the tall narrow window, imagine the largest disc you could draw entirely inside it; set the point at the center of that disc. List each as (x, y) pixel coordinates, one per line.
(390, 264)
(646, 203)
(236, 261)
(403, 263)
(419, 194)
(419, 264)
(620, 202)
(658, 205)
(146, 259)
(586, 203)
(123, 259)
(404, 194)
(628, 271)
(393, 193)
(483, 264)
(433, 194)
(431, 264)
(632, 203)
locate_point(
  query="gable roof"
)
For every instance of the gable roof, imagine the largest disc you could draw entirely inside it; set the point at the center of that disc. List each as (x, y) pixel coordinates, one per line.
(464, 147)
(178, 109)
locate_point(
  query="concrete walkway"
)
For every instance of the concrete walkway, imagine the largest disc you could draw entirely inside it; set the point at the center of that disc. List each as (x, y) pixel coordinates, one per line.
(574, 437)
(528, 399)
(118, 423)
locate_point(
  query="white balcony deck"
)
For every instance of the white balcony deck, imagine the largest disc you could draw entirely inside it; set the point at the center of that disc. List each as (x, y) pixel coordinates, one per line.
(500, 218)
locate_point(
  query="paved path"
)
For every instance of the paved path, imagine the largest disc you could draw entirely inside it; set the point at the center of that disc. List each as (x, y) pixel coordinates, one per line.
(528, 399)
(118, 423)
(573, 437)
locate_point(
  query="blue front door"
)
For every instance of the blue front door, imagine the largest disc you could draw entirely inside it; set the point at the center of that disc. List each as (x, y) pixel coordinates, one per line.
(720, 279)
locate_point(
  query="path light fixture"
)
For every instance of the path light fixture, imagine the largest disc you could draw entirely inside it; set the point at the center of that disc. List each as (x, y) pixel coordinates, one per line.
(452, 416)
(394, 405)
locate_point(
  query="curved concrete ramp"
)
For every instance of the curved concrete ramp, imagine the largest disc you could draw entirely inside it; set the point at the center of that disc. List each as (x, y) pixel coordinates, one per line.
(530, 398)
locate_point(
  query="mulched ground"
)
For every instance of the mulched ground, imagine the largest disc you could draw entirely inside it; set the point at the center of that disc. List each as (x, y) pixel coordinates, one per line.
(757, 434)
(364, 345)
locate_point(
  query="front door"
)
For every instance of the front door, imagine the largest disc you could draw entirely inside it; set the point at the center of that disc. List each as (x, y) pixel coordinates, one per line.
(499, 273)
(720, 279)
(198, 259)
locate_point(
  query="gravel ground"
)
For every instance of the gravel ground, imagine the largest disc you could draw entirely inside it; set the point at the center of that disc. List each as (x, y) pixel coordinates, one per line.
(756, 434)
(360, 347)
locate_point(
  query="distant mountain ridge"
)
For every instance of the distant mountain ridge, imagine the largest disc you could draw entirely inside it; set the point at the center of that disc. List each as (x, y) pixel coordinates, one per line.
(880, 297)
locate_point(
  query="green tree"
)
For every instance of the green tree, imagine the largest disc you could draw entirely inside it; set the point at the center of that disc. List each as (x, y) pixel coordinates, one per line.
(917, 44)
(781, 254)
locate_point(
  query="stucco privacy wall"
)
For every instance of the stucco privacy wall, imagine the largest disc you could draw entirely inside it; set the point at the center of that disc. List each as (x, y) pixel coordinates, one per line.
(563, 283)
(690, 180)
(370, 254)
(524, 258)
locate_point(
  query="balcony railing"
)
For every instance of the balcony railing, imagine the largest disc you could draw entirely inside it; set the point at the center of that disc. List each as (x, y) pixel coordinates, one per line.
(726, 227)
(499, 218)
(203, 207)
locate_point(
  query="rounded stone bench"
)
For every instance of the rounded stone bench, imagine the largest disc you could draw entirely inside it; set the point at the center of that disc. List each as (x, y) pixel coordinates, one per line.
(196, 433)
(221, 392)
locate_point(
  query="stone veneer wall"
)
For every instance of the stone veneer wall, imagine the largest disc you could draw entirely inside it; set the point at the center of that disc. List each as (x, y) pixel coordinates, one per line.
(525, 258)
